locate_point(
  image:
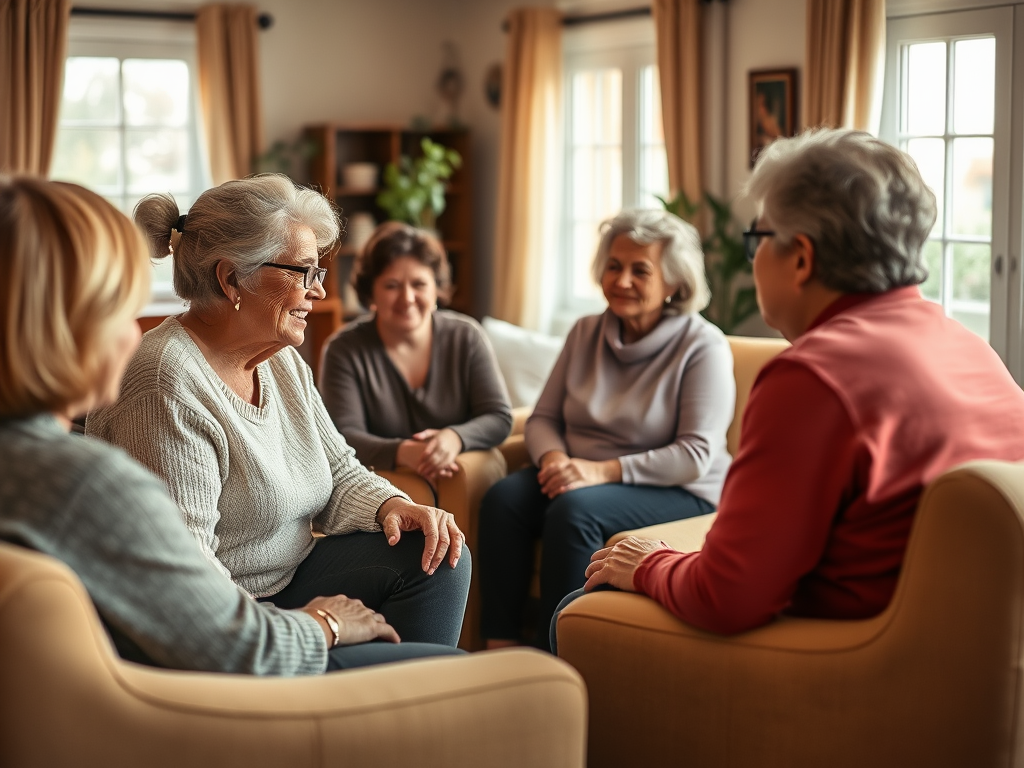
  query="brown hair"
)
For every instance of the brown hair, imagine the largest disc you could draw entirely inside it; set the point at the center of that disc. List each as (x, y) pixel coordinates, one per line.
(391, 241)
(73, 269)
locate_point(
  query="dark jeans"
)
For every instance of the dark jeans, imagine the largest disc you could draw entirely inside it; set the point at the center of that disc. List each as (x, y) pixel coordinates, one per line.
(426, 611)
(514, 514)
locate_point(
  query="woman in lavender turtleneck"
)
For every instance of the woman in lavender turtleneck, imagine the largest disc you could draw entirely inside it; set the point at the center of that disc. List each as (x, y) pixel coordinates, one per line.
(629, 431)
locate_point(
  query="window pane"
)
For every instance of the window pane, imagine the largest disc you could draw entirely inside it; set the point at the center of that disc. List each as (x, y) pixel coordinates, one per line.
(157, 160)
(926, 89)
(974, 85)
(971, 271)
(972, 187)
(156, 92)
(931, 255)
(930, 156)
(653, 161)
(91, 95)
(91, 157)
(584, 244)
(597, 107)
(652, 128)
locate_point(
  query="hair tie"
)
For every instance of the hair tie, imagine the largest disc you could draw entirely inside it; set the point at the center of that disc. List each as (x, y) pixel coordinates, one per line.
(180, 225)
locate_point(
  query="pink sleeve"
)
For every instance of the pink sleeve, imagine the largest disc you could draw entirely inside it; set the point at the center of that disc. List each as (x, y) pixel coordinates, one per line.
(794, 466)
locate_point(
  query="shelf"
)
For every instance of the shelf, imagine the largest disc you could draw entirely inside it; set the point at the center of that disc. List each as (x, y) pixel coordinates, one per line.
(340, 144)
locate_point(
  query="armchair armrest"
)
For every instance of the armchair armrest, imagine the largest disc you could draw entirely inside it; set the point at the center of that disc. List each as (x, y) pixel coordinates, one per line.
(505, 708)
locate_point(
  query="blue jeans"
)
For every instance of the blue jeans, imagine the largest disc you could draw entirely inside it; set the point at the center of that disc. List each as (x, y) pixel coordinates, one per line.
(514, 515)
(426, 611)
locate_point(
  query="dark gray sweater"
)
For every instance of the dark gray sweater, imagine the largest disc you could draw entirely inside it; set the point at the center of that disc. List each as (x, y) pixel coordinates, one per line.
(375, 410)
(93, 507)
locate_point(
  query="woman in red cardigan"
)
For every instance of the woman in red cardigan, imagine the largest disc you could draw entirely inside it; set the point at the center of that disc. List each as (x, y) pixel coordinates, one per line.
(879, 393)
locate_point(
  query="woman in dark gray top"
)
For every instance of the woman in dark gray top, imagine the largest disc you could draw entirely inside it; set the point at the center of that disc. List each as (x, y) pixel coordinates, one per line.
(412, 386)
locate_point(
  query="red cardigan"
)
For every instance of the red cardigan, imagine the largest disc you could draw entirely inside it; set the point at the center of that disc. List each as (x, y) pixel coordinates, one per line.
(841, 433)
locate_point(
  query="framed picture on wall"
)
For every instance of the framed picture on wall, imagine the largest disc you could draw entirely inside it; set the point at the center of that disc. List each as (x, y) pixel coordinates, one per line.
(772, 107)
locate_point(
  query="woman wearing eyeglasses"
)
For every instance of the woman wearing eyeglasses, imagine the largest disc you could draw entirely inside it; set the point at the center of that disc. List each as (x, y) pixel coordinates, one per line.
(218, 402)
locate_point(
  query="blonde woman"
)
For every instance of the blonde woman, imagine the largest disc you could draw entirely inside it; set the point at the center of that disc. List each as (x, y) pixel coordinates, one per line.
(74, 273)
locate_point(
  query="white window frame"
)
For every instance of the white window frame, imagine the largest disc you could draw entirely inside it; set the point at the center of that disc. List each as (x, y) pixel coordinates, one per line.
(1006, 24)
(151, 39)
(628, 45)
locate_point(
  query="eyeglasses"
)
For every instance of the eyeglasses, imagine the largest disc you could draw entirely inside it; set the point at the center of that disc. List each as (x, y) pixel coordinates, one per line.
(752, 239)
(309, 274)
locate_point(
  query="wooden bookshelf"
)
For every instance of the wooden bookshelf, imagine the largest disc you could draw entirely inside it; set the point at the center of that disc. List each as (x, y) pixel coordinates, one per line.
(339, 145)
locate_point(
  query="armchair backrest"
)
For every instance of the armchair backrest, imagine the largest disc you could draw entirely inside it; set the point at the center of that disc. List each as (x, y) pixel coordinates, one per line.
(749, 355)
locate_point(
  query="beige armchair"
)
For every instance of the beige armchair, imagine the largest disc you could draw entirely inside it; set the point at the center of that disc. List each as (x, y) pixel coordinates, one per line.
(935, 680)
(67, 699)
(459, 494)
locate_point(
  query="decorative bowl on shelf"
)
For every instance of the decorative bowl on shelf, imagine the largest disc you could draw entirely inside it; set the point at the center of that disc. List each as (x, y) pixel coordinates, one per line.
(359, 176)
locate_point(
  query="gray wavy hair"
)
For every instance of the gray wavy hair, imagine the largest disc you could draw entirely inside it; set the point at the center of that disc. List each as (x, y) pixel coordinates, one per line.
(247, 222)
(862, 203)
(682, 260)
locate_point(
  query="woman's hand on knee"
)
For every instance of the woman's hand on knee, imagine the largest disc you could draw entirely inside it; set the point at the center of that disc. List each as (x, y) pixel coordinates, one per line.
(441, 535)
(440, 449)
(356, 622)
(617, 565)
(561, 474)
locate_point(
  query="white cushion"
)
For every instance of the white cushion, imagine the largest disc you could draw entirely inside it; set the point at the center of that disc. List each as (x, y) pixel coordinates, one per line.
(524, 357)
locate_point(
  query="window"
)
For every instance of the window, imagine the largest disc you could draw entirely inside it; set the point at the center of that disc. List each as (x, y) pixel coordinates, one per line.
(614, 148)
(948, 104)
(128, 120)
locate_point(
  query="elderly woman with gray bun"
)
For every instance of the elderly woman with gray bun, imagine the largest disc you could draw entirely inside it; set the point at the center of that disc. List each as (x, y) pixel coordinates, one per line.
(629, 431)
(219, 404)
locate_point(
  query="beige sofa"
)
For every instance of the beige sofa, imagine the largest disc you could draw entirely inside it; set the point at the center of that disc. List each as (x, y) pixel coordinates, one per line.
(935, 680)
(67, 699)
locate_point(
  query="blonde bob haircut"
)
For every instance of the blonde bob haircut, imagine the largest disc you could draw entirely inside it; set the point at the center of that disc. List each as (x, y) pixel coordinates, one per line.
(73, 270)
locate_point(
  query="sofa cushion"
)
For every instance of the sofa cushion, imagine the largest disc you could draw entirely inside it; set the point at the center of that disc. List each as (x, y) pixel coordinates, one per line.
(525, 358)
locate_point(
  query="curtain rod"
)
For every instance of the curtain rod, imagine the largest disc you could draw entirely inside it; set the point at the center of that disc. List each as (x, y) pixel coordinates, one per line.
(264, 20)
(592, 18)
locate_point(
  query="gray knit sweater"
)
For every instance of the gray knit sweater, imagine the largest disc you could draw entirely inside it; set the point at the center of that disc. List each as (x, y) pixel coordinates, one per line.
(253, 481)
(660, 405)
(91, 506)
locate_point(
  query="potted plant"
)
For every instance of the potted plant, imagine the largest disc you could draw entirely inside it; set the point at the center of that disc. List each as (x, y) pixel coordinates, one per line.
(414, 188)
(725, 260)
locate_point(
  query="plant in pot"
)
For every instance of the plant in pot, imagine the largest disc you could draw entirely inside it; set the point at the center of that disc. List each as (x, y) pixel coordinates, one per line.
(414, 188)
(725, 260)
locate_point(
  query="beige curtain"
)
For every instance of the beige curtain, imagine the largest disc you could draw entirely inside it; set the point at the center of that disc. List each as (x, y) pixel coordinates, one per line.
(845, 63)
(678, 28)
(33, 44)
(530, 105)
(229, 87)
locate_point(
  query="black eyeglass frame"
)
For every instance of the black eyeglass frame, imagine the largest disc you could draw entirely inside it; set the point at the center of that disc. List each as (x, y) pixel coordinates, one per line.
(752, 239)
(309, 274)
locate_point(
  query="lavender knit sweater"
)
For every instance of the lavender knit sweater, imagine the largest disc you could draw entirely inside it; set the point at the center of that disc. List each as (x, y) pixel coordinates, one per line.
(661, 405)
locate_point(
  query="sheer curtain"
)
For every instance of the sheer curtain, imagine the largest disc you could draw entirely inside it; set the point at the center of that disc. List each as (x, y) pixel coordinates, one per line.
(678, 29)
(845, 63)
(531, 103)
(33, 45)
(229, 88)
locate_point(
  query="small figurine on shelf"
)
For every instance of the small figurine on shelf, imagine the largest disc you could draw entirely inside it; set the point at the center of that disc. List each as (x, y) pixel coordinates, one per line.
(450, 85)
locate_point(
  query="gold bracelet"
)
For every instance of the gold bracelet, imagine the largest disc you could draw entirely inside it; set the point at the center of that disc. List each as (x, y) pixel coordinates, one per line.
(333, 625)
